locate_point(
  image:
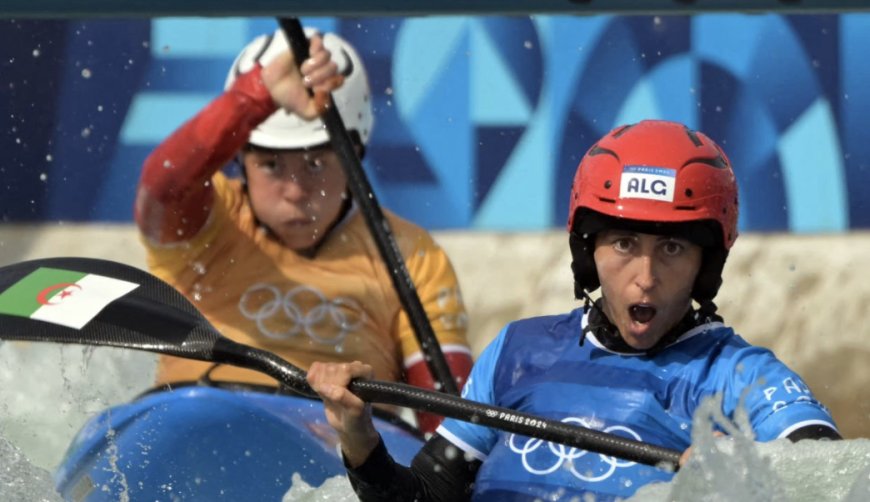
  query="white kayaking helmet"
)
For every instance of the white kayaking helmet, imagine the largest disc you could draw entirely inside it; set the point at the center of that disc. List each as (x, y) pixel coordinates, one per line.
(283, 130)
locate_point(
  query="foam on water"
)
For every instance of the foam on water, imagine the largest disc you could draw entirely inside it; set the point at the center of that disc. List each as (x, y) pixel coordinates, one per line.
(334, 489)
(20, 479)
(48, 391)
(738, 468)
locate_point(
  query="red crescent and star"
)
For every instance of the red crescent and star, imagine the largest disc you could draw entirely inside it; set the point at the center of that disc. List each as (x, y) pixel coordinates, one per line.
(43, 296)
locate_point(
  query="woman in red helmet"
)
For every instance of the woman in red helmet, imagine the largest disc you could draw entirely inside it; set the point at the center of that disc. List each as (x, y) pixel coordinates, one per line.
(653, 214)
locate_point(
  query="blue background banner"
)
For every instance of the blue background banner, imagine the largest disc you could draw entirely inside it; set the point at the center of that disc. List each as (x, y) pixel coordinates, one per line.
(480, 121)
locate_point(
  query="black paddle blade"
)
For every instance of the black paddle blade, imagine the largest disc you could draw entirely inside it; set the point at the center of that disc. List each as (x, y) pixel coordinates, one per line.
(152, 316)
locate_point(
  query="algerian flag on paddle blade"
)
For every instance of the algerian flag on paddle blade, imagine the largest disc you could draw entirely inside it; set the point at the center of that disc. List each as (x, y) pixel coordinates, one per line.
(62, 297)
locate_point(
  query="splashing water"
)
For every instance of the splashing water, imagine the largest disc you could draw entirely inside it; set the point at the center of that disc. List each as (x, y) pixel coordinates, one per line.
(21, 480)
(334, 489)
(48, 391)
(738, 468)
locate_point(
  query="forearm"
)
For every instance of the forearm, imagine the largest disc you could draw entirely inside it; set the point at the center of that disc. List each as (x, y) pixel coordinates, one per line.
(437, 473)
(174, 196)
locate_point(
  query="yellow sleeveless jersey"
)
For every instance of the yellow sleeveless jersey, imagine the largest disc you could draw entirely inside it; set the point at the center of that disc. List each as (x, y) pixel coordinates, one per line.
(339, 305)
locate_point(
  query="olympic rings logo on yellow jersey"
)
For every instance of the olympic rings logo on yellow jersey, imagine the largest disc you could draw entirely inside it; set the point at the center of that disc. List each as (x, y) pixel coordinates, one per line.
(303, 309)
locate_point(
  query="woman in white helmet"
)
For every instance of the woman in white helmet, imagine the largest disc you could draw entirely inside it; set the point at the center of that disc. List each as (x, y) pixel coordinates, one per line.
(281, 258)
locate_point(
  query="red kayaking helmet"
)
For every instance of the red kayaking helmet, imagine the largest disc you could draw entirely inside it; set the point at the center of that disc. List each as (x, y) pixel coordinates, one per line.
(655, 177)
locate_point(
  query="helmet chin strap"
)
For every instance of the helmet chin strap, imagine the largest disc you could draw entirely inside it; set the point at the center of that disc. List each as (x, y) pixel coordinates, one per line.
(596, 324)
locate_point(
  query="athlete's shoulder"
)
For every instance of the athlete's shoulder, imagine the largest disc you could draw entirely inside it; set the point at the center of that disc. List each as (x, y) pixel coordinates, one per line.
(551, 321)
(411, 239)
(710, 336)
(229, 189)
(545, 330)
(408, 233)
(400, 223)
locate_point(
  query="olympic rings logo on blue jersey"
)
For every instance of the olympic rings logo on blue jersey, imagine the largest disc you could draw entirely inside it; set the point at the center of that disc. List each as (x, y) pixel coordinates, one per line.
(594, 468)
(282, 315)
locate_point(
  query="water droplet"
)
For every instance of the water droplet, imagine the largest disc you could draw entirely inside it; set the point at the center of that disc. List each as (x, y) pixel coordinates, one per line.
(36, 53)
(43, 176)
(199, 268)
(528, 44)
(388, 91)
(167, 164)
(86, 132)
(323, 193)
(86, 73)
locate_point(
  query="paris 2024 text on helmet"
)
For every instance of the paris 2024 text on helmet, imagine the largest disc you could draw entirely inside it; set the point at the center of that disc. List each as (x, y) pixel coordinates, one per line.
(655, 177)
(283, 130)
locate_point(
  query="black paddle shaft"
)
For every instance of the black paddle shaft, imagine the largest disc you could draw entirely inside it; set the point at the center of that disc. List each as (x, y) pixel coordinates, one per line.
(398, 394)
(377, 223)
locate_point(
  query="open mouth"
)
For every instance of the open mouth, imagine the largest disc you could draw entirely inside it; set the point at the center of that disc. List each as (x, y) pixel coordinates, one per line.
(642, 313)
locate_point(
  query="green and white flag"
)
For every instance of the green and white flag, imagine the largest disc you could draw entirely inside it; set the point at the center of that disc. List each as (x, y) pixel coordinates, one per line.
(62, 297)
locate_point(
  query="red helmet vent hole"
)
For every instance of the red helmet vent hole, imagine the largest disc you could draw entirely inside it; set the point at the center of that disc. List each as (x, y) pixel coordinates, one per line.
(607, 184)
(689, 192)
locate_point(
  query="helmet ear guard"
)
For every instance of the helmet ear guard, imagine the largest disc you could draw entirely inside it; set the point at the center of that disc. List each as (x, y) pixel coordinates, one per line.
(583, 264)
(709, 277)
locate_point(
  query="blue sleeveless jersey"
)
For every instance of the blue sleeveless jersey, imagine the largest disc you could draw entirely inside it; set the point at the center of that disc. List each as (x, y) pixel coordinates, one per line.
(537, 366)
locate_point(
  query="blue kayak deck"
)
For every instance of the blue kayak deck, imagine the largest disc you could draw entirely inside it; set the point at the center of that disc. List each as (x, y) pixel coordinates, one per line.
(205, 443)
